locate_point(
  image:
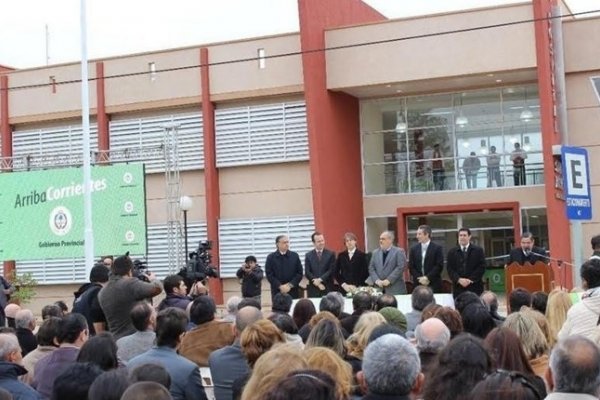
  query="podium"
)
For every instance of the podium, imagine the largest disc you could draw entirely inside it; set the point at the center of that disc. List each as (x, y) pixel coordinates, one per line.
(533, 277)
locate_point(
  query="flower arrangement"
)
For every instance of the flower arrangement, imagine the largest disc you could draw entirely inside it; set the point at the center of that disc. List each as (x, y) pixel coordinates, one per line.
(373, 291)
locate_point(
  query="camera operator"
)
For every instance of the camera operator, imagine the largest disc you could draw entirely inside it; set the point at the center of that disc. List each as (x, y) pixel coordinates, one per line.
(250, 275)
(122, 292)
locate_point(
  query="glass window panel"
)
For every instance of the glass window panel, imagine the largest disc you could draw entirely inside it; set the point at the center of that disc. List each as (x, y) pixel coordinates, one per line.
(428, 111)
(535, 220)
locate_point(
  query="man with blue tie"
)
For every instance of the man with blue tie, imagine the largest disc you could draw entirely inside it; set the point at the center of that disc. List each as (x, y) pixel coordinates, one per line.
(426, 261)
(387, 266)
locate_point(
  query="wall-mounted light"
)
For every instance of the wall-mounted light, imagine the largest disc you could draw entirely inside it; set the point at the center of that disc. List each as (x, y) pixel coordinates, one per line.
(461, 120)
(483, 147)
(152, 70)
(526, 143)
(401, 126)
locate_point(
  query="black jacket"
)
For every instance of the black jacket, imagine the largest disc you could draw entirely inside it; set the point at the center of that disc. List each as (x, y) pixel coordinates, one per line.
(282, 269)
(251, 281)
(352, 272)
(517, 255)
(472, 267)
(432, 267)
(87, 304)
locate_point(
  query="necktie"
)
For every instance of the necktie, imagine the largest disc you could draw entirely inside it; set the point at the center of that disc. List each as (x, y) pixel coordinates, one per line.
(319, 255)
(464, 249)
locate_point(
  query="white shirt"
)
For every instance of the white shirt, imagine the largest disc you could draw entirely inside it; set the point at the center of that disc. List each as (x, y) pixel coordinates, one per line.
(351, 253)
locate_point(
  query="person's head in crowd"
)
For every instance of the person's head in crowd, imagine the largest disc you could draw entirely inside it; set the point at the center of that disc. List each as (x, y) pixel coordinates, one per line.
(330, 303)
(146, 391)
(385, 300)
(10, 311)
(384, 329)
(490, 299)
(99, 274)
(258, 338)
(461, 365)
(432, 336)
(25, 320)
(10, 351)
(357, 342)
(452, 319)
(282, 302)
(110, 385)
(421, 297)
(340, 298)
(590, 274)
(320, 316)
(203, 310)
(303, 312)
(464, 299)
(327, 334)
(270, 368)
(541, 321)
(51, 310)
(394, 317)
(477, 320)
(527, 329)
(430, 311)
(73, 330)
(171, 323)
(284, 322)
(362, 302)
(62, 305)
(595, 242)
(100, 350)
(48, 332)
(174, 285)
(232, 305)
(150, 373)
(304, 385)
(574, 367)
(391, 367)
(539, 301)
(249, 302)
(506, 385)
(559, 302)
(143, 316)
(327, 360)
(122, 266)
(75, 381)
(518, 298)
(506, 350)
(244, 317)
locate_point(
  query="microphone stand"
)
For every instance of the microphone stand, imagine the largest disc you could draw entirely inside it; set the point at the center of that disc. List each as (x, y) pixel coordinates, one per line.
(559, 263)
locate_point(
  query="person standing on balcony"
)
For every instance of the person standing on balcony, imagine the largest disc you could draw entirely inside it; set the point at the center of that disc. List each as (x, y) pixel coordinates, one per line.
(471, 166)
(493, 167)
(437, 168)
(518, 157)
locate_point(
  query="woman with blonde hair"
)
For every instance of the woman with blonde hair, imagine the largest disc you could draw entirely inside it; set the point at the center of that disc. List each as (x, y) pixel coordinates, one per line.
(357, 342)
(326, 360)
(258, 338)
(559, 303)
(532, 338)
(271, 368)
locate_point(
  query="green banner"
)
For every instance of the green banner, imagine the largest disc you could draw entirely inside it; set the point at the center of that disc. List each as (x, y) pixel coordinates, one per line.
(41, 212)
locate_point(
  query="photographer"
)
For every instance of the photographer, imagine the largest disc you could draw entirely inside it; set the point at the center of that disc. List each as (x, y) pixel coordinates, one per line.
(250, 275)
(121, 293)
(176, 291)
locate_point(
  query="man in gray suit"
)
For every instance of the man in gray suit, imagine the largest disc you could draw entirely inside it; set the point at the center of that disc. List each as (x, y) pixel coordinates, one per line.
(387, 266)
(228, 364)
(318, 267)
(186, 383)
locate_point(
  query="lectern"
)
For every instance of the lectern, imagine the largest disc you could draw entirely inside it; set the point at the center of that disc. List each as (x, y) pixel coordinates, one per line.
(533, 277)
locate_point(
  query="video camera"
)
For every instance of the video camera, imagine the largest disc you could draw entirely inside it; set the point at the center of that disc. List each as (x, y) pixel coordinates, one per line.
(198, 266)
(140, 270)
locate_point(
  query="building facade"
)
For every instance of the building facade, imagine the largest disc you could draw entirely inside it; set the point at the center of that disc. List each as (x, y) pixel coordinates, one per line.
(398, 123)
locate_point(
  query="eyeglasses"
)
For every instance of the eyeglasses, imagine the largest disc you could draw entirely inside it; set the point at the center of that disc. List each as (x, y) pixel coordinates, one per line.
(516, 376)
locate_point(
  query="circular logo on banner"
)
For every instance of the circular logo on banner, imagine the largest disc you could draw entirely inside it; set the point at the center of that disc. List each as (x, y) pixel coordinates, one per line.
(128, 207)
(127, 178)
(129, 236)
(60, 221)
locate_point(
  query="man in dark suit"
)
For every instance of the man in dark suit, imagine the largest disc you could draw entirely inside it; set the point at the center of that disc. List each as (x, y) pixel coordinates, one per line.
(426, 261)
(466, 265)
(228, 364)
(283, 269)
(527, 252)
(319, 264)
(387, 266)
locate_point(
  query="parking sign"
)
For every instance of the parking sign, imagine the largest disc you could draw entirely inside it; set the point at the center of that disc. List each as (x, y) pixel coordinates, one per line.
(576, 174)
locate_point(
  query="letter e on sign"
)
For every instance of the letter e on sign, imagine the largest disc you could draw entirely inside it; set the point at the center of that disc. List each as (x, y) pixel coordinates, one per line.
(577, 174)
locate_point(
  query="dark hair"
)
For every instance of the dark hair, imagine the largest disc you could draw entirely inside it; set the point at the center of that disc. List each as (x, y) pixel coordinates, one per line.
(425, 229)
(140, 315)
(303, 312)
(100, 350)
(316, 233)
(362, 301)
(452, 319)
(539, 301)
(304, 384)
(146, 391)
(150, 373)
(172, 282)
(62, 305)
(203, 310)
(595, 242)
(464, 299)
(284, 322)
(122, 265)
(282, 302)
(170, 324)
(75, 381)
(249, 302)
(330, 303)
(52, 310)
(527, 235)
(463, 229)
(99, 273)
(477, 320)
(110, 385)
(461, 364)
(385, 300)
(278, 238)
(421, 297)
(518, 298)
(507, 385)
(49, 330)
(430, 311)
(250, 259)
(590, 271)
(71, 326)
(384, 329)
(505, 347)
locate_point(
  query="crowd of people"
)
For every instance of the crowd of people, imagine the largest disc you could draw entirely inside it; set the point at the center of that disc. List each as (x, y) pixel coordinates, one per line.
(115, 344)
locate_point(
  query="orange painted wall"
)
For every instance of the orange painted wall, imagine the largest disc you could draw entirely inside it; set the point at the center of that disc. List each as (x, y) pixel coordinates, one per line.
(333, 122)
